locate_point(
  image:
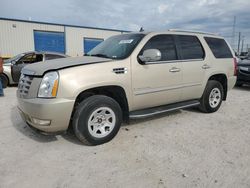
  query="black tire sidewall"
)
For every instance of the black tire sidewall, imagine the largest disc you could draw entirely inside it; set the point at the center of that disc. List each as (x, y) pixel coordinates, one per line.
(83, 112)
(212, 84)
(4, 80)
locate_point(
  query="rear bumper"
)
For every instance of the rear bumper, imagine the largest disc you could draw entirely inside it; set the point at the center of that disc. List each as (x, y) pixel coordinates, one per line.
(46, 115)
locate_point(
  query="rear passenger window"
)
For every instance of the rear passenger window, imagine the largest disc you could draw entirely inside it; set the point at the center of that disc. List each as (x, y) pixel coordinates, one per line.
(190, 47)
(164, 43)
(219, 47)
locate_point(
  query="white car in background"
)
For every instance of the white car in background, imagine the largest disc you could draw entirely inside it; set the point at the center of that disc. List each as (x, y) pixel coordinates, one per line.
(13, 66)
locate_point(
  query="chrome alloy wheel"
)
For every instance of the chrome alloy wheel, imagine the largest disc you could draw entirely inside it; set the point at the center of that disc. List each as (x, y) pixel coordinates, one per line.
(101, 122)
(215, 97)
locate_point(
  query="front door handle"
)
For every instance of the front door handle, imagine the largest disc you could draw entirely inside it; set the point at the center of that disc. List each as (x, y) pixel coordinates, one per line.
(206, 66)
(174, 69)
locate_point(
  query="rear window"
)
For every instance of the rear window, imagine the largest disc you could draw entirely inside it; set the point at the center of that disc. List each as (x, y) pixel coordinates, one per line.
(190, 47)
(219, 47)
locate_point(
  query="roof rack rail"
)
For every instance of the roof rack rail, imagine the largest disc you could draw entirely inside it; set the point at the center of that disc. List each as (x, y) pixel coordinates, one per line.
(190, 31)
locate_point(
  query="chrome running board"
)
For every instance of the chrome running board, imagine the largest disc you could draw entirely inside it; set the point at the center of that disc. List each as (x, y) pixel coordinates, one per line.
(162, 109)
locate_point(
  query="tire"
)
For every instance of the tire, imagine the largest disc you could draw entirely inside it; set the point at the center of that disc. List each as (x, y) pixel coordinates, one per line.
(238, 84)
(212, 97)
(5, 80)
(97, 120)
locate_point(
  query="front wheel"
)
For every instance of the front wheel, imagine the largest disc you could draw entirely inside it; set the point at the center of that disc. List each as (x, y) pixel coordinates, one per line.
(97, 120)
(212, 97)
(4, 79)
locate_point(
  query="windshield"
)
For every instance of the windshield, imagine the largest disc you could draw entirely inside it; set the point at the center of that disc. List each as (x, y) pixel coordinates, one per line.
(14, 59)
(117, 47)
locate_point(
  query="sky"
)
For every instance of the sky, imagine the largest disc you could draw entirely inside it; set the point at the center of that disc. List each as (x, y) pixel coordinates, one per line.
(215, 16)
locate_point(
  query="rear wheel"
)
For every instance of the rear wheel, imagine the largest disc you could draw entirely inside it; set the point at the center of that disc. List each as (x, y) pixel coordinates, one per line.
(97, 120)
(5, 80)
(212, 97)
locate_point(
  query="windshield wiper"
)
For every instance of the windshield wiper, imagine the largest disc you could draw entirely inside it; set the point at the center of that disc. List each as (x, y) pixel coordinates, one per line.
(100, 55)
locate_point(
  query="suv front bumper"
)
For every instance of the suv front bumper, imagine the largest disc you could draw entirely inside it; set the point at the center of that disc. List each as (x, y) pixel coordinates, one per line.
(46, 115)
(243, 78)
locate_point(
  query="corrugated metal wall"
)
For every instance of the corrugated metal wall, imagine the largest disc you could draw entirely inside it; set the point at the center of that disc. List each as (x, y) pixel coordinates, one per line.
(75, 37)
(17, 36)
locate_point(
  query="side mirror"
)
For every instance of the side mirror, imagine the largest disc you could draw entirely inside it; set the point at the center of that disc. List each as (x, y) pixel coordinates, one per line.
(150, 55)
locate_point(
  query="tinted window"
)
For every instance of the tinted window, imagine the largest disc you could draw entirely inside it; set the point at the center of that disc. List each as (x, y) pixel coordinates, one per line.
(52, 56)
(117, 47)
(39, 57)
(219, 47)
(164, 43)
(90, 43)
(27, 59)
(190, 47)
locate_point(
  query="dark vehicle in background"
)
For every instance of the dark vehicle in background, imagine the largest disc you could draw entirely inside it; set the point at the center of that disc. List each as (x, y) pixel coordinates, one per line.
(13, 66)
(244, 55)
(243, 76)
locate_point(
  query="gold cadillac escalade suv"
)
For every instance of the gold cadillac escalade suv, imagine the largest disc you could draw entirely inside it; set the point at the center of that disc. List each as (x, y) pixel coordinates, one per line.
(127, 76)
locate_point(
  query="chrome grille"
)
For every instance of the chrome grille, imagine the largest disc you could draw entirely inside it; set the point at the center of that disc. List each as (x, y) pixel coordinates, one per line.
(24, 84)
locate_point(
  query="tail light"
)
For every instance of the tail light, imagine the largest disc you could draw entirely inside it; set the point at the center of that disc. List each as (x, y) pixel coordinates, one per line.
(235, 67)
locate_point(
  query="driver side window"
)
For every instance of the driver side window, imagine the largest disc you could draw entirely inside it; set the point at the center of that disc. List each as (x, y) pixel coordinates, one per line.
(27, 59)
(31, 58)
(164, 43)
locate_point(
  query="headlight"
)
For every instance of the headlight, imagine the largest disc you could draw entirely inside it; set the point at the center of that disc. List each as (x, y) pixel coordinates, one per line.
(49, 85)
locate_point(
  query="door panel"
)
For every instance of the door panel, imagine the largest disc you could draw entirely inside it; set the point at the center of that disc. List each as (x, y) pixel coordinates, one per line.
(193, 75)
(16, 71)
(192, 56)
(157, 83)
(22, 62)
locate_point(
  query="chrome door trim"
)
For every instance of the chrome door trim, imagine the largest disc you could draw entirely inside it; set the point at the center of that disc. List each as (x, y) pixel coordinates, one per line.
(173, 61)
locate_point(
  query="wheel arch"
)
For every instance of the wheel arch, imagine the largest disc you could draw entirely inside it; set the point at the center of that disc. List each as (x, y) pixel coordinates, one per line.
(114, 91)
(8, 80)
(222, 78)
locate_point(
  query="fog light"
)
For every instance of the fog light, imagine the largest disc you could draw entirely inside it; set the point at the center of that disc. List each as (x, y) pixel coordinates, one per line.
(40, 122)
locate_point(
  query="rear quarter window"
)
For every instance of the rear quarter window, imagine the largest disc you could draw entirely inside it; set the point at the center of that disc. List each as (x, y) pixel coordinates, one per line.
(219, 47)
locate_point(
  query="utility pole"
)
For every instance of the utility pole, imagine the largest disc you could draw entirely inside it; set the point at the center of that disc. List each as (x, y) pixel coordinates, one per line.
(242, 44)
(238, 51)
(233, 34)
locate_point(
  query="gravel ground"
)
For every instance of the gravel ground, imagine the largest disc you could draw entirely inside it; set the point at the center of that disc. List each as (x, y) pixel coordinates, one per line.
(184, 148)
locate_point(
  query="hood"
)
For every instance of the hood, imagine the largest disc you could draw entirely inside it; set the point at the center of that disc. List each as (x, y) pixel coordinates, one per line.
(244, 63)
(38, 69)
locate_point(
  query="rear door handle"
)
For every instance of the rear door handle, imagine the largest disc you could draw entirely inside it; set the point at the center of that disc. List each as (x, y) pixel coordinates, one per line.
(174, 69)
(206, 66)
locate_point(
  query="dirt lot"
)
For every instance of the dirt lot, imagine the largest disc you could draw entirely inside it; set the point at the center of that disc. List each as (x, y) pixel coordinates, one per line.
(184, 148)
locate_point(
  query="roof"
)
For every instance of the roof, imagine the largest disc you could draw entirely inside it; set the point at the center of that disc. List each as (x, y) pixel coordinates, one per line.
(191, 31)
(45, 52)
(176, 31)
(64, 25)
